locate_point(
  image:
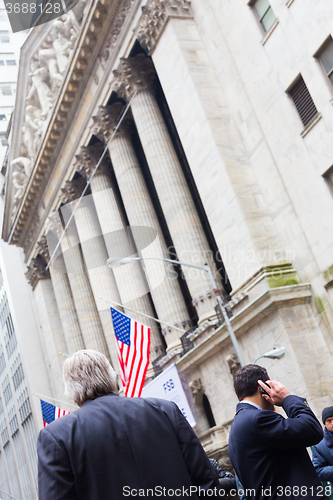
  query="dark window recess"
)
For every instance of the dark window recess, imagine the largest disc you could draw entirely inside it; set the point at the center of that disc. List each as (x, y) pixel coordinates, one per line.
(24, 406)
(5, 436)
(18, 376)
(163, 224)
(208, 411)
(303, 101)
(265, 13)
(328, 176)
(13, 424)
(2, 360)
(192, 186)
(325, 57)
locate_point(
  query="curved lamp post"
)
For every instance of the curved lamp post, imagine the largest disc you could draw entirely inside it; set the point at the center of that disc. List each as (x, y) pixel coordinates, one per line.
(114, 262)
(276, 353)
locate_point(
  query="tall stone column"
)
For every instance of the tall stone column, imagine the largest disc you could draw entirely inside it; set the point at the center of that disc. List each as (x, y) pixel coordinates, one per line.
(85, 306)
(138, 74)
(109, 222)
(168, 299)
(53, 339)
(65, 302)
(95, 256)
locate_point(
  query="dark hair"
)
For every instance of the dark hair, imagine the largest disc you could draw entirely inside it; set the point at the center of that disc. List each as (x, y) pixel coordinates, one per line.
(246, 380)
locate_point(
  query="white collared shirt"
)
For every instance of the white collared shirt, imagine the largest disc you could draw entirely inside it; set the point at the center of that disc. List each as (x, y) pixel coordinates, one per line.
(251, 403)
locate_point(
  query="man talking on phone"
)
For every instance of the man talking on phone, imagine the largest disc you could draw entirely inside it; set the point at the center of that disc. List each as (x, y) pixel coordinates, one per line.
(267, 450)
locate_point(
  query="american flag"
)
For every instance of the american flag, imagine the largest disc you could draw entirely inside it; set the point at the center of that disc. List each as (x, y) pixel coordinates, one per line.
(133, 346)
(51, 412)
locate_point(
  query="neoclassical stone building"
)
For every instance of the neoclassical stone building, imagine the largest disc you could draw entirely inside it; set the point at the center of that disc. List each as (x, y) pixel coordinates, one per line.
(206, 128)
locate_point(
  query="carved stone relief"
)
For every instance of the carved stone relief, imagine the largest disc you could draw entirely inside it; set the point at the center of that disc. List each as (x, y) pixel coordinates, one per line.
(47, 68)
(154, 17)
(114, 34)
(37, 271)
(87, 160)
(233, 363)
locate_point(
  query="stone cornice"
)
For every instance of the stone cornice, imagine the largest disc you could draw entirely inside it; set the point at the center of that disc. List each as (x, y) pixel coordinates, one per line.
(154, 18)
(87, 160)
(84, 58)
(132, 75)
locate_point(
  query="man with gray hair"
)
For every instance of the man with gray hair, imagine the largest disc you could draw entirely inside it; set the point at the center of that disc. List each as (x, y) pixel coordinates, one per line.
(115, 447)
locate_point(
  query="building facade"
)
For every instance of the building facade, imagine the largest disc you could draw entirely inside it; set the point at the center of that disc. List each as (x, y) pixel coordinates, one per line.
(200, 131)
(9, 59)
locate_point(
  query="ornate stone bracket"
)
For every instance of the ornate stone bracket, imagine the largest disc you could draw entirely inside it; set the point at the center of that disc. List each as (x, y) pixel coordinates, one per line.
(107, 119)
(133, 74)
(87, 160)
(36, 271)
(233, 363)
(72, 190)
(155, 16)
(43, 249)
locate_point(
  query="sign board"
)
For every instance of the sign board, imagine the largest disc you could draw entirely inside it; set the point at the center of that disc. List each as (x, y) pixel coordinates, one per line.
(168, 386)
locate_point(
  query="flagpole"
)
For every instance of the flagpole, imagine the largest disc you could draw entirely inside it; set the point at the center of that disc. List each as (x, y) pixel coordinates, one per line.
(8, 495)
(52, 399)
(142, 314)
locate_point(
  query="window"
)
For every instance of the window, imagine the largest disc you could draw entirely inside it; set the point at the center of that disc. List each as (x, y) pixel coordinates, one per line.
(5, 113)
(6, 90)
(7, 59)
(3, 16)
(328, 176)
(303, 101)
(265, 13)
(325, 57)
(4, 37)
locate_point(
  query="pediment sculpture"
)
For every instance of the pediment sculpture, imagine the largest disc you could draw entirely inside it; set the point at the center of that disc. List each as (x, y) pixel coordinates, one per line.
(47, 68)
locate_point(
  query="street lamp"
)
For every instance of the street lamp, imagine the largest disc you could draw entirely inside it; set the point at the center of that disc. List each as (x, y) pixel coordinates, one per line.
(276, 353)
(114, 262)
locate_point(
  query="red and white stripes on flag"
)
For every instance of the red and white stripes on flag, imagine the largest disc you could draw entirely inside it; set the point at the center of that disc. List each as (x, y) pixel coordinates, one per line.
(133, 346)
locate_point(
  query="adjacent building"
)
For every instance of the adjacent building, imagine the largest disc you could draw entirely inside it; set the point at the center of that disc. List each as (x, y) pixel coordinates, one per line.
(206, 128)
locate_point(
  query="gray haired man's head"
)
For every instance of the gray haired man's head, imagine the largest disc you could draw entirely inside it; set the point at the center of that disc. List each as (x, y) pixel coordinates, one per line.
(88, 374)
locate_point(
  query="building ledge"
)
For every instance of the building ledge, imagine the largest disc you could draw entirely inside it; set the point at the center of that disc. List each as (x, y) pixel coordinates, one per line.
(215, 440)
(311, 125)
(269, 32)
(247, 317)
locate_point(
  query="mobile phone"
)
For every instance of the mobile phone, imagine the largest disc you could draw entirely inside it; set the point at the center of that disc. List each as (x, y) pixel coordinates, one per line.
(263, 390)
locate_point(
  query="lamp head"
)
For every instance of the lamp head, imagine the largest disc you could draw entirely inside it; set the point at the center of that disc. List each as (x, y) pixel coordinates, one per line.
(114, 262)
(276, 353)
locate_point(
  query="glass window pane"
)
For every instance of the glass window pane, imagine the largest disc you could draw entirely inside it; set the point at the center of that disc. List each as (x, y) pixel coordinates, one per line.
(261, 6)
(6, 90)
(2, 118)
(326, 57)
(4, 38)
(11, 62)
(268, 19)
(2, 63)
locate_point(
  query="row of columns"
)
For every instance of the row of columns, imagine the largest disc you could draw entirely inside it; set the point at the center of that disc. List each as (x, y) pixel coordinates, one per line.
(98, 229)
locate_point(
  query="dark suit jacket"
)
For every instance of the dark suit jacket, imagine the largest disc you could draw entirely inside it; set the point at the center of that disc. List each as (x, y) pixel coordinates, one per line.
(322, 459)
(114, 442)
(269, 451)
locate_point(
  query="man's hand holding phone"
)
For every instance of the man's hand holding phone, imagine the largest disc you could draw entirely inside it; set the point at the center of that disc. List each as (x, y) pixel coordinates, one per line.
(274, 391)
